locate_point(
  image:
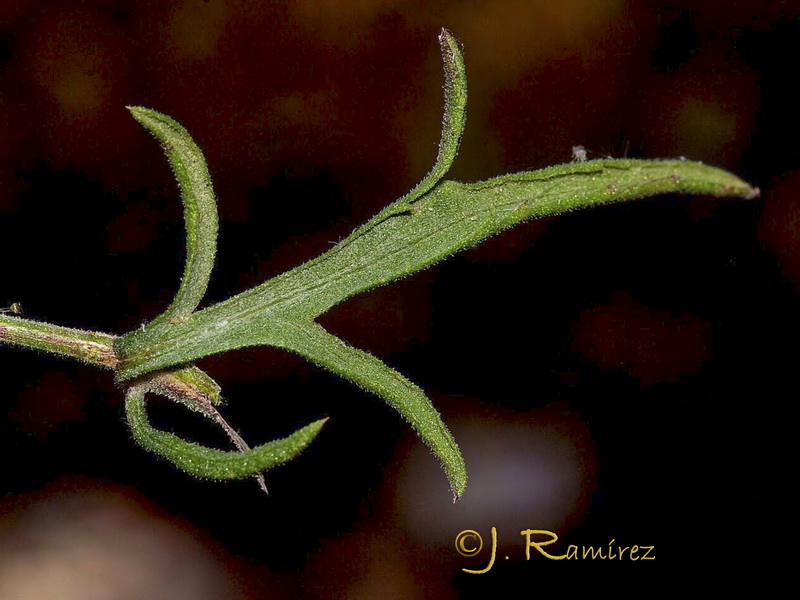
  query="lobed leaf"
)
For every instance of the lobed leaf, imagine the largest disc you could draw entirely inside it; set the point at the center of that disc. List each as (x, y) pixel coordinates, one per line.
(434, 220)
(451, 217)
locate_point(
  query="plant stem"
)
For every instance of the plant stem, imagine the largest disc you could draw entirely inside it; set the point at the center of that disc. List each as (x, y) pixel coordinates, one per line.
(86, 346)
(188, 385)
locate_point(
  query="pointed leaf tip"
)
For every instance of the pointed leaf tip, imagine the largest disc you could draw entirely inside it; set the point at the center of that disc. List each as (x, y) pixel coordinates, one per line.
(209, 462)
(453, 123)
(368, 372)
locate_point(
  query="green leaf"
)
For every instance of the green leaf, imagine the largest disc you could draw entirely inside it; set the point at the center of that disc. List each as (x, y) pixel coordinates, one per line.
(198, 392)
(208, 462)
(366, 371)
(200, 216)
(451, 217)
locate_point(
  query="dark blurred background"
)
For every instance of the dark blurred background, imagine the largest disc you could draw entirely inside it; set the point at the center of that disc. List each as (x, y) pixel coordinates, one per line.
(625, 373)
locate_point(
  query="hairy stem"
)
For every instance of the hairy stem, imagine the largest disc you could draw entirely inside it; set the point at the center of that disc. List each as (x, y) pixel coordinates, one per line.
(89, 347)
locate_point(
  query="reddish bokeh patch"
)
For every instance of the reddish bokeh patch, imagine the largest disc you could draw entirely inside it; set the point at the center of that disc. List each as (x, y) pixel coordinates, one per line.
(651, 346)
(779, 226)
(42, 409)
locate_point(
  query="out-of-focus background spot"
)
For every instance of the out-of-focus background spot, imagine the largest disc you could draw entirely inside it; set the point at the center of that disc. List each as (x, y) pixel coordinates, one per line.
(623, 373)
(79, 538)
(533, 467)
(649, 345)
